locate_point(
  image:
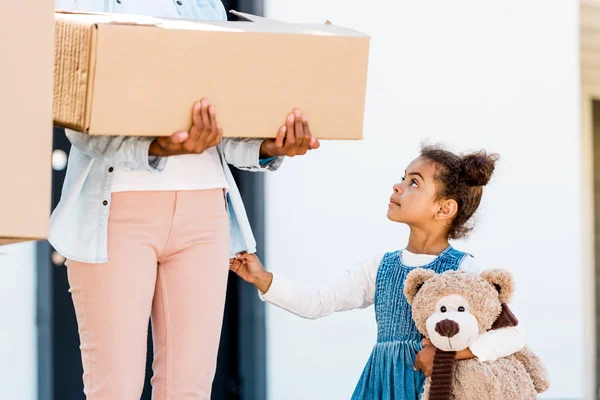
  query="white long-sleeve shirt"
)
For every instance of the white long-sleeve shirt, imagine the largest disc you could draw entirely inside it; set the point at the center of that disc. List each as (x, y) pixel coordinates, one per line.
(356, 289)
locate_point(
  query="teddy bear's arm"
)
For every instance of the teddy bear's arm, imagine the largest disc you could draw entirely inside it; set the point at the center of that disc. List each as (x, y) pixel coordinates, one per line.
(537, 371)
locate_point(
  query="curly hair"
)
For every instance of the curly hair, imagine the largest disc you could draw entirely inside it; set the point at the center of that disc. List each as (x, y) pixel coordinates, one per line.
(461, 178)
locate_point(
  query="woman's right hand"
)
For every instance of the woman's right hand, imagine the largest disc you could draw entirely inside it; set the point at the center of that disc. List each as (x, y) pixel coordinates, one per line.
(249, 268)
(204, 134)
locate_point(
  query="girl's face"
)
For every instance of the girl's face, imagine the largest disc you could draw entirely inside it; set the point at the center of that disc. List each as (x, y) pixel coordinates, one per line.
(414, 199)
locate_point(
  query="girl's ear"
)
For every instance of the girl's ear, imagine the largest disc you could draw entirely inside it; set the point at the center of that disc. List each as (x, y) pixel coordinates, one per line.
(448, 209)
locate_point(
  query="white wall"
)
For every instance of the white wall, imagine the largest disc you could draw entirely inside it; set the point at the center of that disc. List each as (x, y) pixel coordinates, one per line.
(501, 75)
(18, 333)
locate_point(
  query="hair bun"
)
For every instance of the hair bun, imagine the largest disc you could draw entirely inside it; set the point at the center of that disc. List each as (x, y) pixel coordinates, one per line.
(477, 168)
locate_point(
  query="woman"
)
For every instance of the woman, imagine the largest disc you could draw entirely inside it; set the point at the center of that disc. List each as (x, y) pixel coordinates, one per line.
(148, 226)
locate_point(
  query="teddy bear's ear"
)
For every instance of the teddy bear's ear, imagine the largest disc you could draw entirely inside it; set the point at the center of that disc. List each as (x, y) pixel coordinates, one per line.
(414, 280)
(502, 280)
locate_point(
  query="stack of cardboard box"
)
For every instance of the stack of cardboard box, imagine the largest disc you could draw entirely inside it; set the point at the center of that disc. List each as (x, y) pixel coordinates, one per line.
(26, 48)
(135, 75)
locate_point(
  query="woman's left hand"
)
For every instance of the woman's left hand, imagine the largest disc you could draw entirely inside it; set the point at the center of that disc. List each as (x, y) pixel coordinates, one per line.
(293, 139)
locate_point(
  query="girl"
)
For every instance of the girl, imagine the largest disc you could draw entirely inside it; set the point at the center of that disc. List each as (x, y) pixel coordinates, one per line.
(436, 199)
(147, 226)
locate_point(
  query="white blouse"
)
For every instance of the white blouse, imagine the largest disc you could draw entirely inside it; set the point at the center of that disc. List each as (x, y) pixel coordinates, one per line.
(356, 289)
(183, 172)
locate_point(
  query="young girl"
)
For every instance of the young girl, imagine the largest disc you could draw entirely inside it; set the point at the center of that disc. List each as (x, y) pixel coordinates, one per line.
(436, 198)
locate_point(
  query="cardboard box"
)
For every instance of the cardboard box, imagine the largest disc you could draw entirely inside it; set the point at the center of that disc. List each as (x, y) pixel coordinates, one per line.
(120, 74)
(26, 46)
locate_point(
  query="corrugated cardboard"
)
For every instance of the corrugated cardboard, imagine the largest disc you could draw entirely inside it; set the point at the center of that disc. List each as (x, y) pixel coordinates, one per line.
(26, 48)
(135, 75)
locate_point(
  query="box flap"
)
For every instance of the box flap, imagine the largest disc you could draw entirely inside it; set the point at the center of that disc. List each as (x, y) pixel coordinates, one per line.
(256, 18)
(109, 18)
(261, 24)
(253, 18)
(327, 28)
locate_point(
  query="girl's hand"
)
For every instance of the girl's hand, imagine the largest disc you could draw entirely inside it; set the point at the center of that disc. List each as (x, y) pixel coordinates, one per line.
(204, 134)
(424, 361)
(425, 357)
(249, 268)
(465, 354)
(293, 139)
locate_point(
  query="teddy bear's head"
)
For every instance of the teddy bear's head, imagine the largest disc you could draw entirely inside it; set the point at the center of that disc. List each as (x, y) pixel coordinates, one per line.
(451, 309)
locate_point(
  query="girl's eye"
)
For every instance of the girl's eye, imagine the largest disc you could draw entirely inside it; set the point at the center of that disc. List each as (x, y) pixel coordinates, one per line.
(403, 179)
(414, 183)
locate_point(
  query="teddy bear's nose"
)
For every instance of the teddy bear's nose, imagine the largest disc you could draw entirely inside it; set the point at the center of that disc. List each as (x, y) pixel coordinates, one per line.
(447, 328)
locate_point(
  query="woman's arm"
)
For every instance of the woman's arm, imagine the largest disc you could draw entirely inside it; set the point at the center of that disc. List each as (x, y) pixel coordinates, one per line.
(245, 154)
(117, 151)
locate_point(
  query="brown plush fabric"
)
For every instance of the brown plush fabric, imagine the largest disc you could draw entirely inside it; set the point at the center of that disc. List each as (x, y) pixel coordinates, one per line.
(482, 296)
(442, 374)
(503, 379)
(414, 281)
(502, 280)
(535, 368)
(447, 328)
(505, 319)
(520, 376)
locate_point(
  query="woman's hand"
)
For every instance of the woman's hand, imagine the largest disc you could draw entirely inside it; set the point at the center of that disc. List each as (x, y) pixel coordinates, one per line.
(294, 138)
(249, 268)
(205, 133)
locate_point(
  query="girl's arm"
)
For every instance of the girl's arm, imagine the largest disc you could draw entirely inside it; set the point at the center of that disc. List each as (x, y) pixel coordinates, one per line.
(356, 289)
(499, 343)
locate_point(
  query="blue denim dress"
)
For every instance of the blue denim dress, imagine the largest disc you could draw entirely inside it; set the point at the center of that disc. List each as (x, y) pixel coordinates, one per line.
(389, 373)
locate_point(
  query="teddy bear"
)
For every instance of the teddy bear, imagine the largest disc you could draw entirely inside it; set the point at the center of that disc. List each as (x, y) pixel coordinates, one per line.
(451, 309)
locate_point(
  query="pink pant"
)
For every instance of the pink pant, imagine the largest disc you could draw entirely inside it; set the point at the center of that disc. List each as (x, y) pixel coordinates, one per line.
(168, 260)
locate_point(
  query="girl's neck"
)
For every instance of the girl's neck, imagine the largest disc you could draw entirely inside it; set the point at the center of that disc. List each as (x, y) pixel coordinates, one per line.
(421, 242)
